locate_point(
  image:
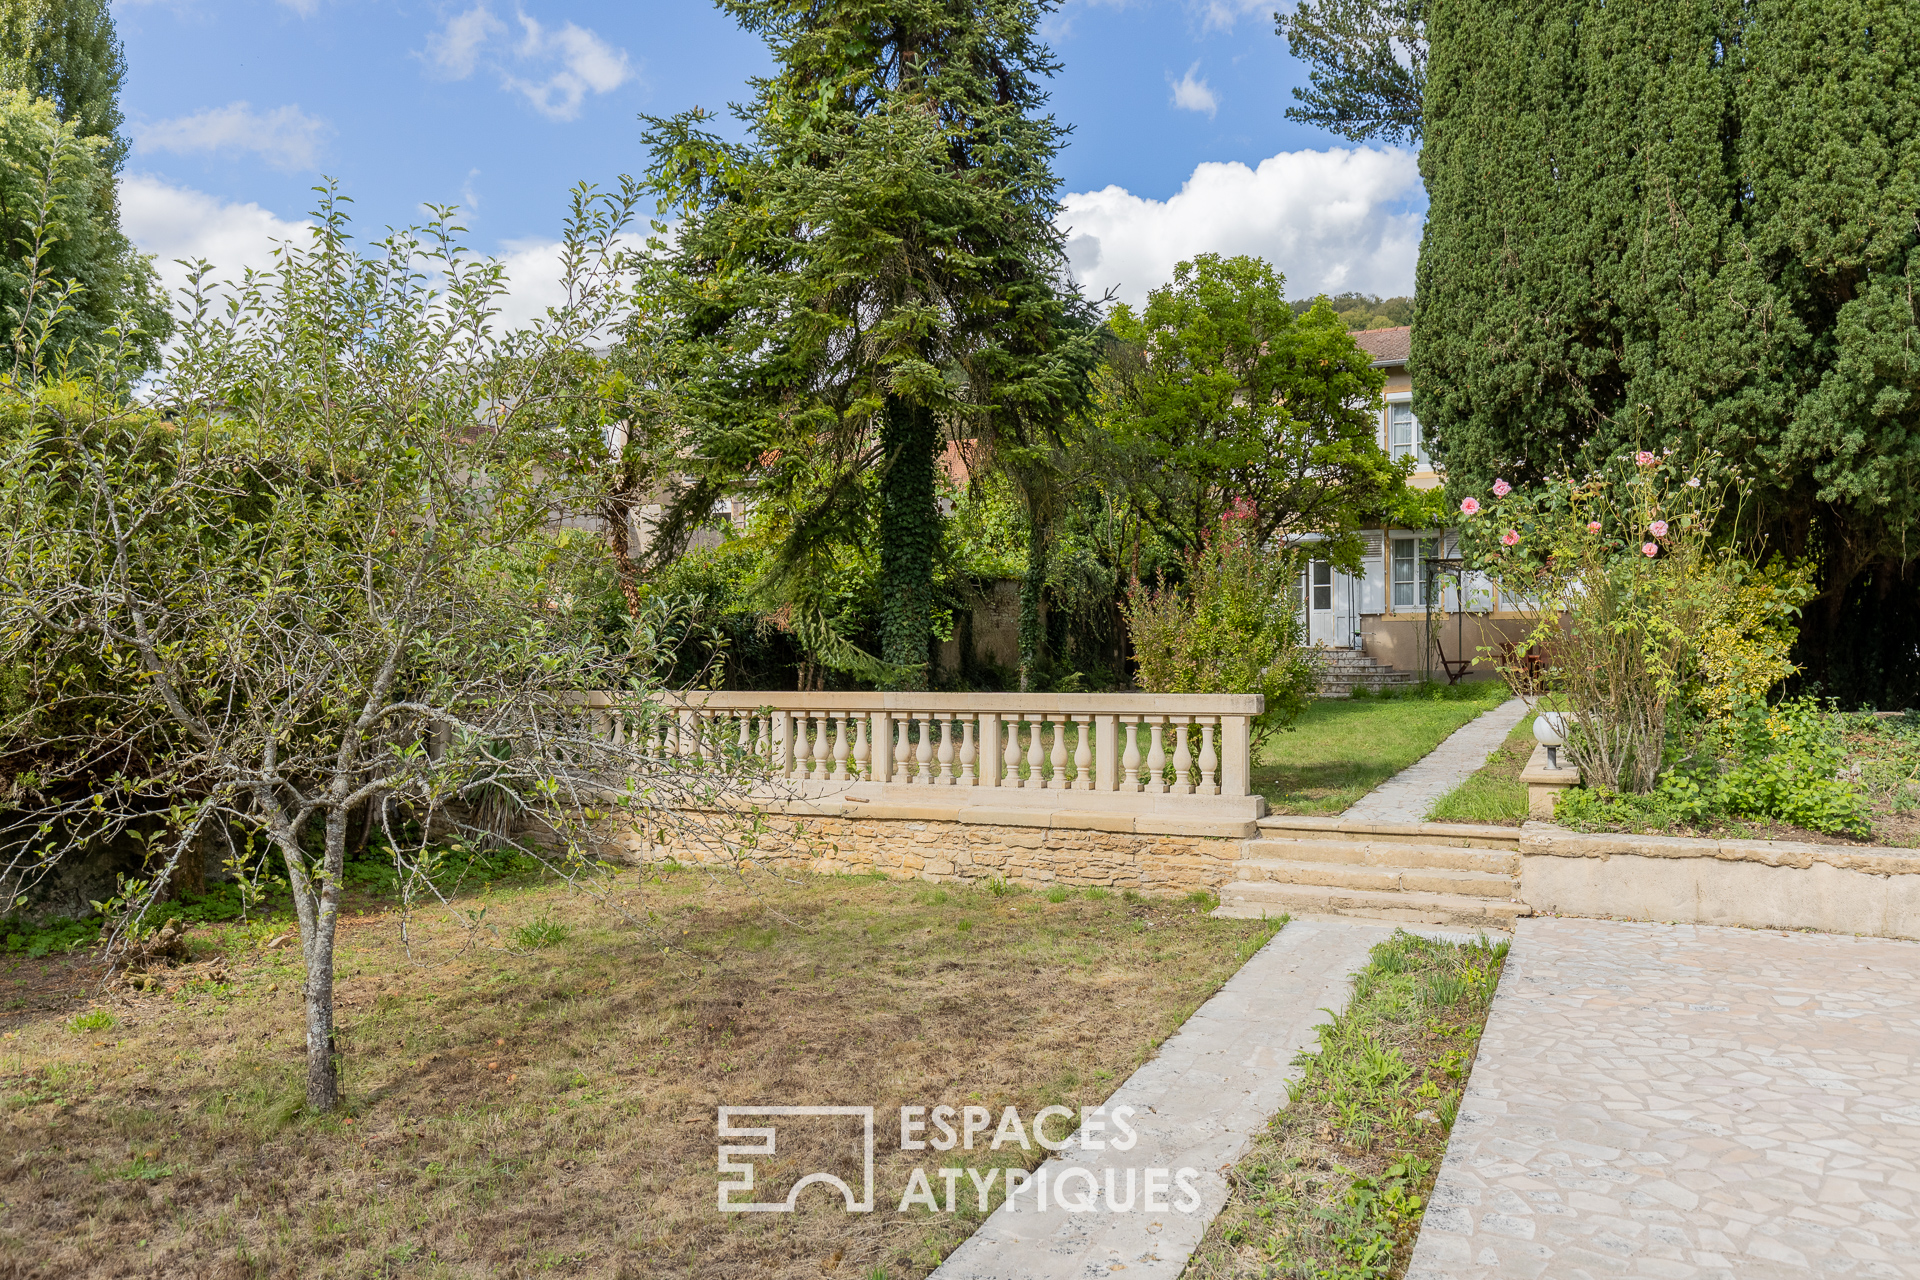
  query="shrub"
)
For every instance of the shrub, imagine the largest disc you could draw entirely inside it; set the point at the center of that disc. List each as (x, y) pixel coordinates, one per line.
(1623, 586)
(1230, 628)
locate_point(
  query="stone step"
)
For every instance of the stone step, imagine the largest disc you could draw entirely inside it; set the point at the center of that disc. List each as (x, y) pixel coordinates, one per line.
(1458, 835)
(1252, 898)
(1413, 855)
(1354, 875)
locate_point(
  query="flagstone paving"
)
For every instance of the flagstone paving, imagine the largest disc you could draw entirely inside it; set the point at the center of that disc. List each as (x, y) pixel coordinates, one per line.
(1684, 1101)
(1408, 794)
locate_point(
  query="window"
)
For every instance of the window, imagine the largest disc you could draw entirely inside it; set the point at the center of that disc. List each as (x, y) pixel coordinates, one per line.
(1403, 433)
(1322, 585)
(1410, 556)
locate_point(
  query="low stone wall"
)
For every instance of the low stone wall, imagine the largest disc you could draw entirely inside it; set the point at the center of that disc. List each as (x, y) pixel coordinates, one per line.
(1036, 851)
(1763, 884)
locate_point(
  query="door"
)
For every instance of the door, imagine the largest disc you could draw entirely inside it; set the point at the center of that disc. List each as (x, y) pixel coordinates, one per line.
(1322, 628)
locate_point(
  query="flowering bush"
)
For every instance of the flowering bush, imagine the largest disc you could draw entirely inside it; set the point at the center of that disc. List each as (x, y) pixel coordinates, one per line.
(1625, 587)
(1230, 628)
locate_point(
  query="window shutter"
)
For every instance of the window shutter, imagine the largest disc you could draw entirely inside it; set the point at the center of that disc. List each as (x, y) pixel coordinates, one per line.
(1373, 566)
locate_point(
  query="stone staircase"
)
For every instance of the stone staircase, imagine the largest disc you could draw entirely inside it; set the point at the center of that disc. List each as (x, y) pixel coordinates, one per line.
(1344, 670)
(1428, 873)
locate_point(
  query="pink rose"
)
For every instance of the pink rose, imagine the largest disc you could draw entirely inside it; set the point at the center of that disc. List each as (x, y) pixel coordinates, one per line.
(1593, 526)
(1501, 488)
(1658, 528)
(1649, 549)
(1510, 537)
(1469, 506)
(1644, 458)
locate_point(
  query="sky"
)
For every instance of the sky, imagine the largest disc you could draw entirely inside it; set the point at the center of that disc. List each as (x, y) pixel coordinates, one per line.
(1180, 145)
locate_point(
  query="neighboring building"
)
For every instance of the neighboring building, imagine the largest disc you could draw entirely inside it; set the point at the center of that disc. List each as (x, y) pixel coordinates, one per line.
(1383, 611)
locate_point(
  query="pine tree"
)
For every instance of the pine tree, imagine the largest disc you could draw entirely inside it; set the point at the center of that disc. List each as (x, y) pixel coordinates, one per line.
(1682, 224)
(874, 273)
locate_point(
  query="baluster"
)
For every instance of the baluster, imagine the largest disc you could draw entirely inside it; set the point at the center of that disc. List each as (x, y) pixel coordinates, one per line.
(1083, 758)
(969, 774)
(822, 746)
(763, 745)
(923, 754)
(1209, 762)
(903, 749)
(1182, 762)
(1131, 760)
(1036, 753)
(1057, 780)
(1011, 756)
(802, 746)
(862, 749)
(946, 773)
(746, 726)
(1157, 759)
(841, 747)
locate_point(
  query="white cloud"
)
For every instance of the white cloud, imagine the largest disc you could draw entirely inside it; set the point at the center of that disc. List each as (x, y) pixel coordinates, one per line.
(455, 49)
(1221, 15)
(553, 68)
(174, 222)
(1326, 219)
(305, 8)
(286, 137)
(178, 222)
(1194, 95)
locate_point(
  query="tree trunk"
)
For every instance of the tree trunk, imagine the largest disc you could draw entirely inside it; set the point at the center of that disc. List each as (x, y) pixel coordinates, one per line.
(1033, 634)
(318, 907)
(909, 535)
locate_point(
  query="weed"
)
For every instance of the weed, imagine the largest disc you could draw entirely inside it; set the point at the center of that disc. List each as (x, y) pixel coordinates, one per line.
(1000, 888)
(545, 932)
(1097, 894)
(1203, 899)
(93, 1020)
(1059, 893)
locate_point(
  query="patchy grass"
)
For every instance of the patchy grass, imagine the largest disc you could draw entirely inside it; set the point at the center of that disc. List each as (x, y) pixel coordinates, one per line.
(1493, 793)
(516, 1111)
(1342, 748)
(1337, 1184)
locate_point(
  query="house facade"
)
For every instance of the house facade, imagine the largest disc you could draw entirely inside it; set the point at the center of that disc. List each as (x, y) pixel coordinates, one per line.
(1383, 612)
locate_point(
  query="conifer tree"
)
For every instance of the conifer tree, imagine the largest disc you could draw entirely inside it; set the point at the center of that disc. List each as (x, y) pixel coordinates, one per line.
(873, 273)
(1682, 224)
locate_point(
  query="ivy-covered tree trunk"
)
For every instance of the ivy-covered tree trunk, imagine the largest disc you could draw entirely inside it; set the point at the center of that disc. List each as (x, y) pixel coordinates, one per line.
(1033, 624)
(909, 536)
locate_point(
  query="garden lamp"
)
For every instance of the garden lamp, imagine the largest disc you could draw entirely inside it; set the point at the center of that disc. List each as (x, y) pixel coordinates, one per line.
(1550, 729)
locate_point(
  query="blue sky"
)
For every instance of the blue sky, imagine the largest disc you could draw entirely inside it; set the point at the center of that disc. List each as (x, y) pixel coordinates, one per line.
(1180, 143)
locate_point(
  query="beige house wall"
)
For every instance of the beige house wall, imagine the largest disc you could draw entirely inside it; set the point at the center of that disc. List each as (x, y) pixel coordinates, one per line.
(1396, 639)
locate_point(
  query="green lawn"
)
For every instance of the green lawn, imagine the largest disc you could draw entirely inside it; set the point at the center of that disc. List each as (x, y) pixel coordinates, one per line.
(1494, 793)
(1343, 748)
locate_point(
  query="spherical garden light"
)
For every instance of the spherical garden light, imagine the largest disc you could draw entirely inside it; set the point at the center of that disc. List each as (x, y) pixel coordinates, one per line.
(1550, 730)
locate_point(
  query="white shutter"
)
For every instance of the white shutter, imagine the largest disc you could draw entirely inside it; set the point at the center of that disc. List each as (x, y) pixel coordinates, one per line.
(1373, 564)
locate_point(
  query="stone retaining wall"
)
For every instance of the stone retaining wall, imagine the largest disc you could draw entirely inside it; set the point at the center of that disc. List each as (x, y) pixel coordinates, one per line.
(1032, 854)
(1766, 884)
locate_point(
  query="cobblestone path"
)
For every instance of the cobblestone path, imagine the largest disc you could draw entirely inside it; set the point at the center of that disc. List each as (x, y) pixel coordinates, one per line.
(1686, 1101)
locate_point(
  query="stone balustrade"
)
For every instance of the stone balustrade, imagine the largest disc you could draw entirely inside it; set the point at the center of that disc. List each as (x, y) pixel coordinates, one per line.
(1106, 752)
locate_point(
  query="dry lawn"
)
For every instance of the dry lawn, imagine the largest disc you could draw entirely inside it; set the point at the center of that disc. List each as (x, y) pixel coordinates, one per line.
(545, 1104)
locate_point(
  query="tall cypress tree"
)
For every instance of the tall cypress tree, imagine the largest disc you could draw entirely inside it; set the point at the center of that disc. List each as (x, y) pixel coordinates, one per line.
(873, 273)
(1682, 224)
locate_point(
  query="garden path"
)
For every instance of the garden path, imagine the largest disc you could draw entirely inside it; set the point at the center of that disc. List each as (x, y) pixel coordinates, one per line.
(1407, 795)
(1198, 1103)
(1687, 1101)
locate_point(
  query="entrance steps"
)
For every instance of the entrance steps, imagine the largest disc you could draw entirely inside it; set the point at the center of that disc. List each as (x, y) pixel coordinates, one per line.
(1425, 873)
(1344, 670)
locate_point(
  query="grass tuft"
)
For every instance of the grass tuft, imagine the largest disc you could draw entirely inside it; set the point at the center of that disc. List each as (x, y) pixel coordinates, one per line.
(93, 1020)
(545, 932)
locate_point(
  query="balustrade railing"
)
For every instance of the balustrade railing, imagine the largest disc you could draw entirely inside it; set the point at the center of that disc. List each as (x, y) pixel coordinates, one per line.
(1018, 746)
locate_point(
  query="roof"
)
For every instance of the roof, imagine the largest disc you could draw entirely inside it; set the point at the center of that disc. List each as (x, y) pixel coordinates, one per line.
(1386, 346)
